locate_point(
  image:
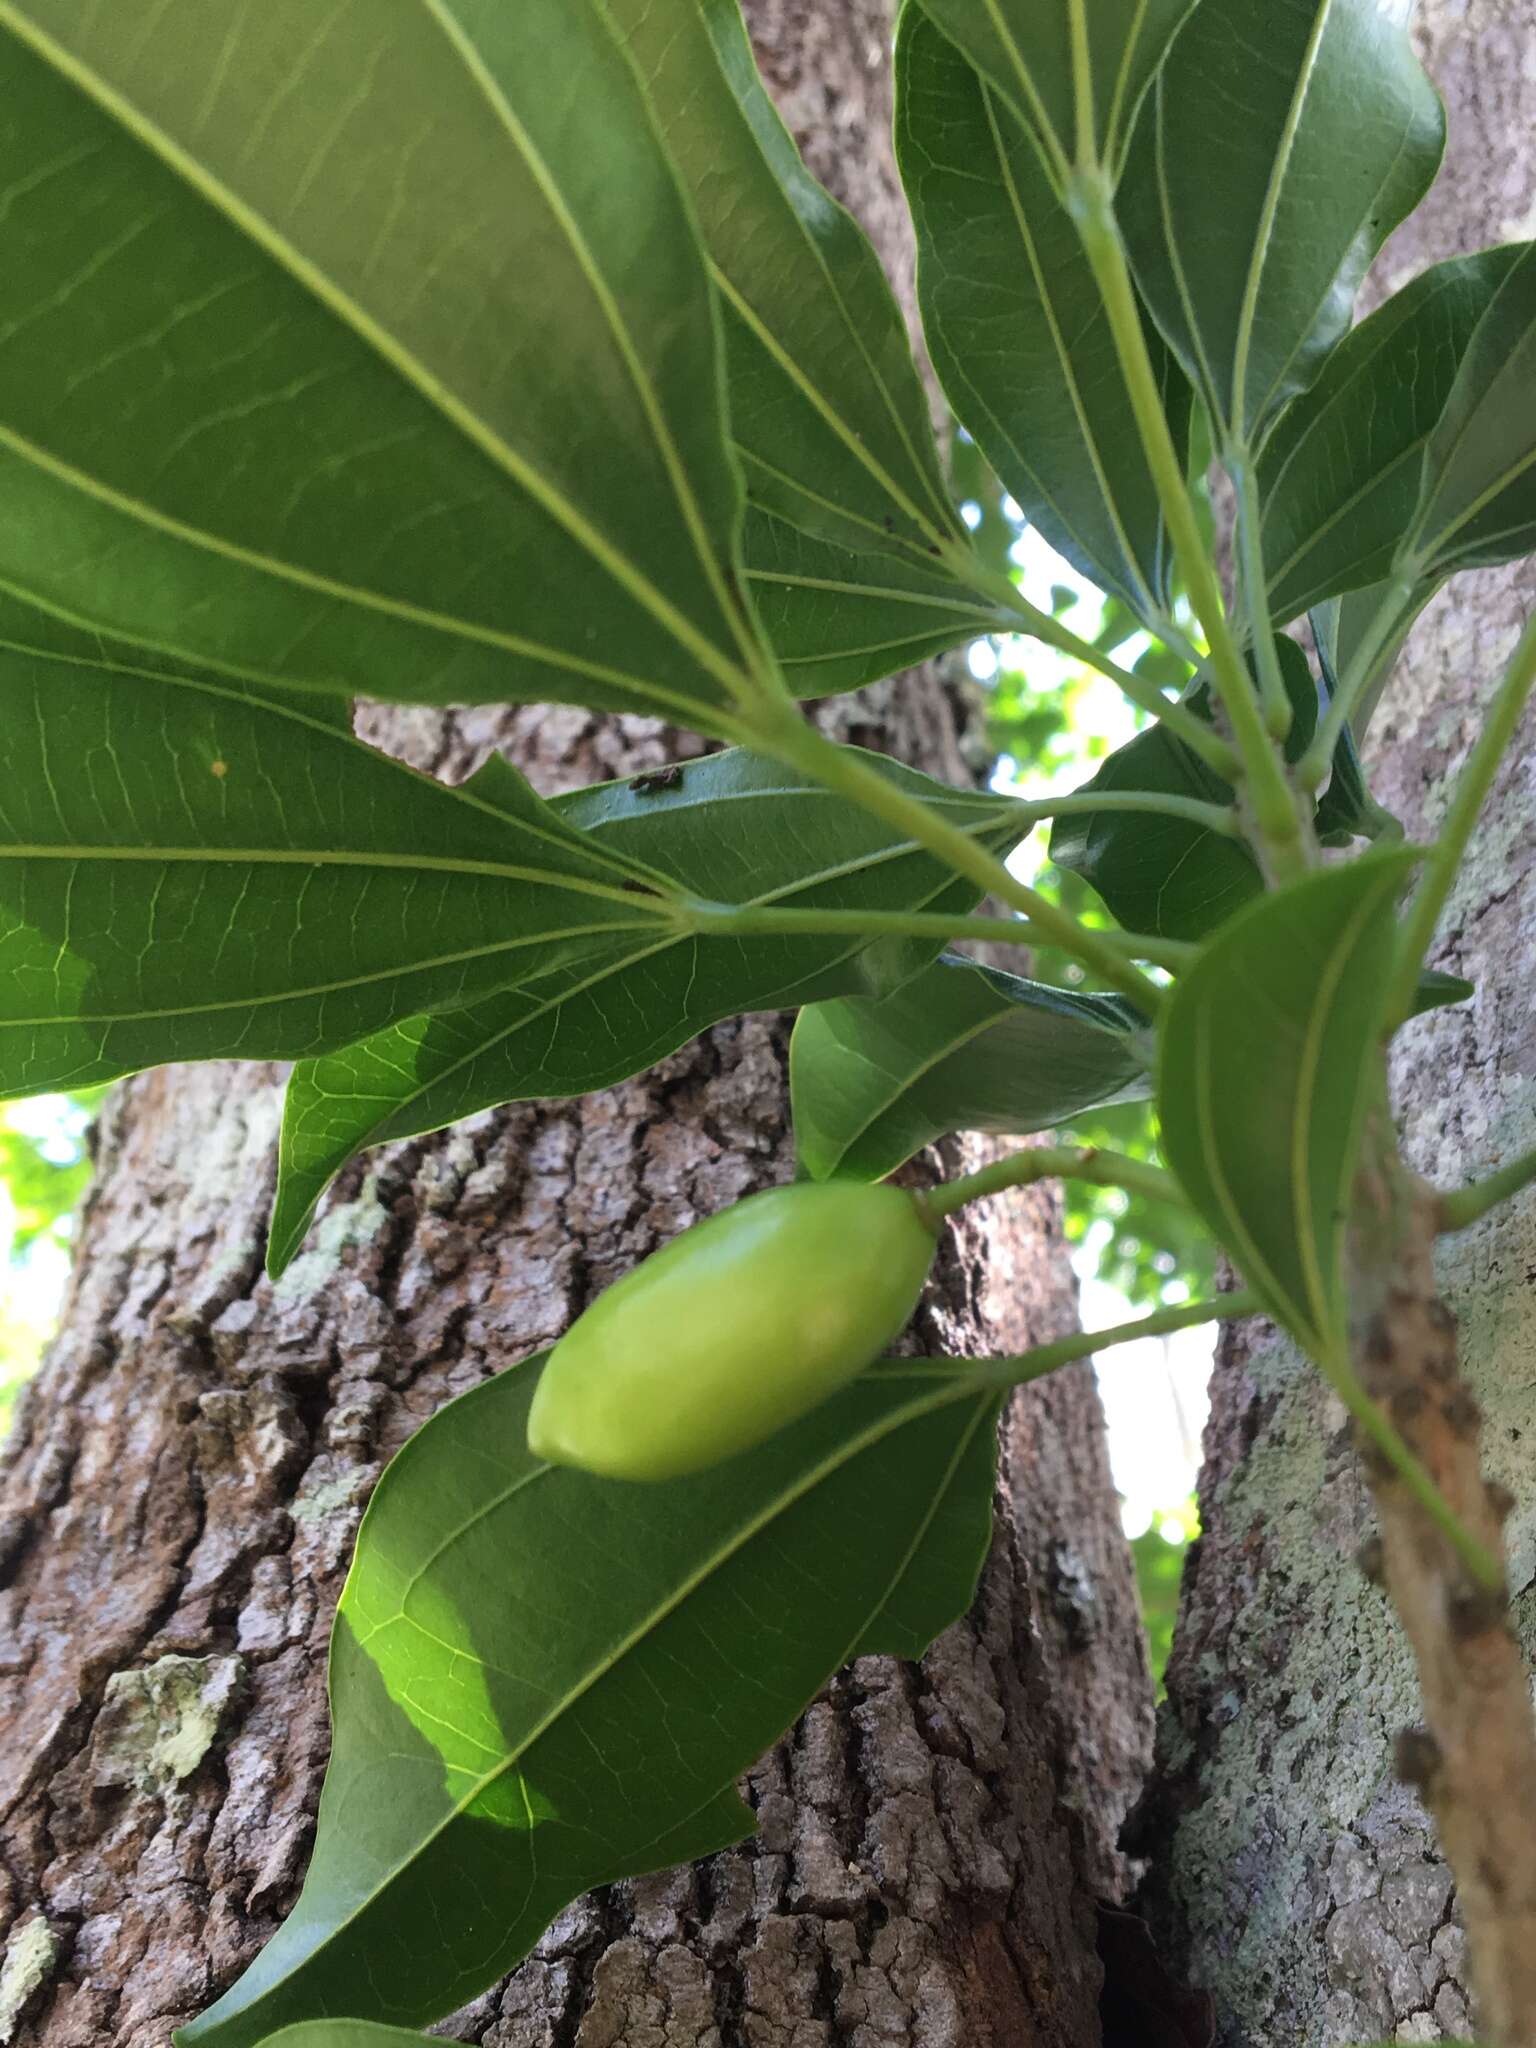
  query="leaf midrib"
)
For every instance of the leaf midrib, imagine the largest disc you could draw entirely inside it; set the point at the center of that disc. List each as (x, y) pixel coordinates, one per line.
(782, 1503)
(276, 245)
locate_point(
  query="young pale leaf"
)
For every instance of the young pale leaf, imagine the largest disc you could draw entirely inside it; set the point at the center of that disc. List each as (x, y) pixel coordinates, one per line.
(731, 827)
(1165, 876)
(959, 1048)
(371, 351)
(1016, 326)
(839, 618)
(827, 410)
(1024, 48)
(1340, 476)
(192, 869)
(1264, 1075)
(542, 1681)
(1282, 143)
(1478, 500)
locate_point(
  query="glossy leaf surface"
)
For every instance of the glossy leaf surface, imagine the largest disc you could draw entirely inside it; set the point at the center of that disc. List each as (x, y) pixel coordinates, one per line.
(371, 350)
(1282, 143)
(1478, 505)
(192, 870)
(1341, 474)
(959, 1048)
(1024, 47)
(827, 409)
(1016, 326)
(543, 1681)
(1264, 1076)
(730, 827)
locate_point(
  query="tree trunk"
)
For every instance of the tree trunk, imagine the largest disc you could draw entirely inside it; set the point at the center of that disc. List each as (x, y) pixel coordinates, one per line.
(187, 1474)
(1295, 1876)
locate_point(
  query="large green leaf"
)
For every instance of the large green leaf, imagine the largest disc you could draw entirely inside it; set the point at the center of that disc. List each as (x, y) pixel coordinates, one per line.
(1165, 876)
(1016, 325)
(190, 869)
(369, 349)
(959, 1048)
(1478, 501)
(827, 409)
(1341, 473)
(731, 827)
(542, 1681)
(840, 618)
(1282, 143)
(1265, 1075)
(1025, 48)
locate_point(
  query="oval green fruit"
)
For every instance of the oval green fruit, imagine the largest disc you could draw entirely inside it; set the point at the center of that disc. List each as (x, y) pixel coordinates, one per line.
(732, 1330)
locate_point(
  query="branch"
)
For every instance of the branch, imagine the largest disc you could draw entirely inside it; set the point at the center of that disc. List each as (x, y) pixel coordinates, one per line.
(1476, 1766)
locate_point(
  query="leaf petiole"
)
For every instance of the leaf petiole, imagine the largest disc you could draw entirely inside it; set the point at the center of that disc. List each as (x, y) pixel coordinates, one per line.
(1053, 1162)
(1017, 614)
(1275, 811)
(1463, 1207)
(800, 745)
(1277, 704)
(749, 920)
(1163, 1322)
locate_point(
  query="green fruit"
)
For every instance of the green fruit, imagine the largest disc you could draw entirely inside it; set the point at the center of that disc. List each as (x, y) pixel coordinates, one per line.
(732, 1330)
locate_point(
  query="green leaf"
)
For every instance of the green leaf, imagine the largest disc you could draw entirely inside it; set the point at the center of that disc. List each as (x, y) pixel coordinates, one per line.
(191, 869)
(1268, 1047)
(827, 410)
(345, 2034)
(1024, 47)
(1340, 476)
(959, 1048)
(1439, 991)
(1478, 501)
(1282, 143)
(730, 827)
(543, 1681)
(838, 619)
(371, 351)
(1016, 325)
(1160, 875)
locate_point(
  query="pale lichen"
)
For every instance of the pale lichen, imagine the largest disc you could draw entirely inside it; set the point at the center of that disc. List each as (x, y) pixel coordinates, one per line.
(30, 1957)
(157, 1724)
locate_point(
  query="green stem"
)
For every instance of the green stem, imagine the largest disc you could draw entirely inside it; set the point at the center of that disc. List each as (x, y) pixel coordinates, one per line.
(1374, 1421)
(1312, 770)
(1468, 1205)
(1039, 625)
(799, 745)
(1278, 712)
(1164, 1322)
(730, 920)
(1275, 813)
(1053, 1162)
(1445, 857)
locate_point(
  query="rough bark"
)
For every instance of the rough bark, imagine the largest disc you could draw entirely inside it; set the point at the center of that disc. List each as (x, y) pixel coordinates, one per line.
(1296, 1876)
(182, 1489)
